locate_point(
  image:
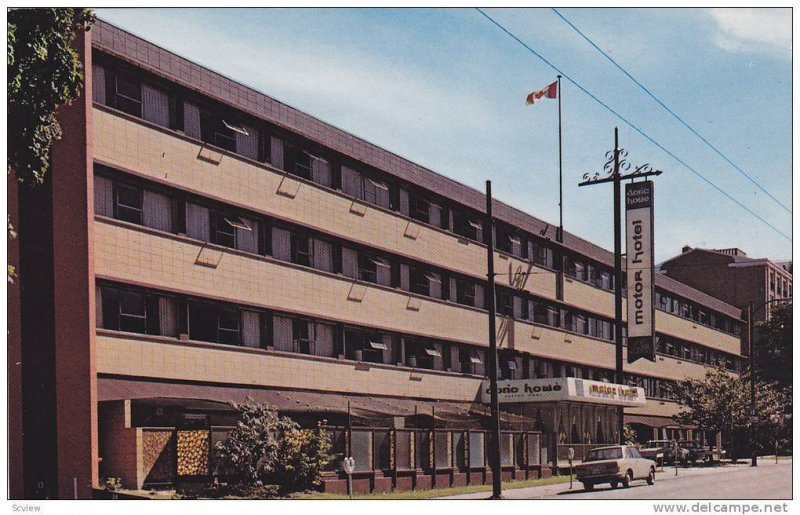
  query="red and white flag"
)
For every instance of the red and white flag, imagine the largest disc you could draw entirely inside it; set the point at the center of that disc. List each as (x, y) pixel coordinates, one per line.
(550, 91)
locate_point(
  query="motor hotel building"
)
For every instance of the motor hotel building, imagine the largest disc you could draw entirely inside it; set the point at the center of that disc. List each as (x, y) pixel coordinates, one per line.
(198, 242)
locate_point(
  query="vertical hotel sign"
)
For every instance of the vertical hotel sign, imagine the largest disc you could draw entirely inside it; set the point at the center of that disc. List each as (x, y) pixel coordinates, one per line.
(641, 293)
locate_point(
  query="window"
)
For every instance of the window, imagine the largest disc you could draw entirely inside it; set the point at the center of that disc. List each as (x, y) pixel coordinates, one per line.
(465, 292)
(362, 346)
(223, 230)
(421, 354)
(505, 304)
(302, 250)
(542, 255)
(467, 226)
(302, 341)
(421, 281)
(228, 324)
(132, 312)
(368, 268)
(136, 311)
(128, 203)
(128, 95)
(214, 323)
(419, 208)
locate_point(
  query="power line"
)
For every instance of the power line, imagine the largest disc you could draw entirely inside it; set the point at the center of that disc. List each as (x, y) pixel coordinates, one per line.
(670, 111)
(634, 127)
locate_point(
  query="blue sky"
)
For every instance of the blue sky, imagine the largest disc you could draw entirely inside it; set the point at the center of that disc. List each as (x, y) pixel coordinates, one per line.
(445, 88)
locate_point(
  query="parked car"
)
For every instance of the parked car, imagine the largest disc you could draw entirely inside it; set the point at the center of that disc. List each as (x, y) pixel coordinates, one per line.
(614, 465)
(663, 451)
(695, 451)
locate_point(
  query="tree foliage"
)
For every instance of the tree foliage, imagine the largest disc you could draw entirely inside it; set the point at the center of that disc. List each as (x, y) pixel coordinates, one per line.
(773, 347)
(720, 401)
(265, 449)
(44, 72)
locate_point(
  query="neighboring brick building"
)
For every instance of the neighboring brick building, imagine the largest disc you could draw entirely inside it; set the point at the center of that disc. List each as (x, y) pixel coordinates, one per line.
(731, 276)
(198, 242)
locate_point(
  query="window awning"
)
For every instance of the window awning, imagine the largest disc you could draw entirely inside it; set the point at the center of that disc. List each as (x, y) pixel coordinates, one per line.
(653, 421)
(369, 409)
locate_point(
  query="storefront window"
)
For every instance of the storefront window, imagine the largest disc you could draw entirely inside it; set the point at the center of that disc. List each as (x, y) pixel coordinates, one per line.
(361, 450)
(477, 457)
(444, 457)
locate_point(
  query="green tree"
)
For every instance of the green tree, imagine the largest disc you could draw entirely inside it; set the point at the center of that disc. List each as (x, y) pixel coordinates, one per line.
(773, 346)
(265, 449)
(629, 434)
(720, 401)
(44, 72)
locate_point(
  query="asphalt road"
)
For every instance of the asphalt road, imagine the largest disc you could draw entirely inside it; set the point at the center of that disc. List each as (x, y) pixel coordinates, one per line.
(767, 481)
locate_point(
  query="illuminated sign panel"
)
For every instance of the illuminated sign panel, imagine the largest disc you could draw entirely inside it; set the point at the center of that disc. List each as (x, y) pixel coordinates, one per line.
(564, 389)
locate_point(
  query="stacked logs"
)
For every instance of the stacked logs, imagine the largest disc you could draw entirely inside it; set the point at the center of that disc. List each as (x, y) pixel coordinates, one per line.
(192, 449)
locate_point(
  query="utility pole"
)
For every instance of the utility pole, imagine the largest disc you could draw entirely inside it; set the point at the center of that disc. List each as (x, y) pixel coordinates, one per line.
(615, 162)
(752, 367)
(494, 444)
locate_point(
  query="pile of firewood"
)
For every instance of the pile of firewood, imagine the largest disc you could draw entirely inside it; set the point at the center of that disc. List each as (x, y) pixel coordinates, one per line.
(192, 447)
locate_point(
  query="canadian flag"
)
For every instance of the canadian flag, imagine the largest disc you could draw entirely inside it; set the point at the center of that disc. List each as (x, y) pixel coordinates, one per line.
(550, 91)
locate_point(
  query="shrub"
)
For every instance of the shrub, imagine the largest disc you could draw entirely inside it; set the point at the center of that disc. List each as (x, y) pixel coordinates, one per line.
(265, 450)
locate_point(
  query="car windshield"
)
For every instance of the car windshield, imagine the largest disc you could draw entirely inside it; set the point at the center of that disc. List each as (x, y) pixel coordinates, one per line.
(613, 453)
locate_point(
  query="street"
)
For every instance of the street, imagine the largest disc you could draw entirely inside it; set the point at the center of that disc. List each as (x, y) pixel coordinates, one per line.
(768, 481)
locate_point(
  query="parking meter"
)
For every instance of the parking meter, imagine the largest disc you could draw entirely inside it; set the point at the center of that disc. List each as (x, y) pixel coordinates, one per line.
(675, 456)
(570, 456)
(349, 465)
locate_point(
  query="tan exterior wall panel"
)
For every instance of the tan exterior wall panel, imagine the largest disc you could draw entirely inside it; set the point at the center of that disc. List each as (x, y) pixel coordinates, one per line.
(188, 362)
(186, 165)
(133, 255)
(548, 343)
(592, 299)
(694, 332)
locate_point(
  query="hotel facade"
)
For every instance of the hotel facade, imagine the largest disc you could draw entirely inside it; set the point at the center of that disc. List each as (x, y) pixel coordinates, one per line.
(198, 242)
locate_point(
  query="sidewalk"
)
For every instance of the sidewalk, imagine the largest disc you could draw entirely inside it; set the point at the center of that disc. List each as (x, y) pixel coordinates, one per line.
(667, 474)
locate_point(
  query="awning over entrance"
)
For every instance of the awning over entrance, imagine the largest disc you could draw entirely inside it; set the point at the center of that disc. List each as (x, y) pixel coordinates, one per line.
(306, 402)
(649, 420)
(565, 389)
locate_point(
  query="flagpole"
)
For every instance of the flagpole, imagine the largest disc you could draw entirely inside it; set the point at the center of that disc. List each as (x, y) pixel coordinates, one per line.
(560, 235)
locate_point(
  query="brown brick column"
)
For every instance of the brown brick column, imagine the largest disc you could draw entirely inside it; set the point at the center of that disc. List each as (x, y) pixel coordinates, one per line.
(74, 310)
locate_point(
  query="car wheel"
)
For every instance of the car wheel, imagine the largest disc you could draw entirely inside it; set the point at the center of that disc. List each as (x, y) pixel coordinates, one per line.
(588, 486)
(614, 484)
(626, 480)
(651, 477)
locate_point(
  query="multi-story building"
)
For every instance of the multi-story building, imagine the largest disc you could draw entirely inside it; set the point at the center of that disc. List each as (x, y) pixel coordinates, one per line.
(731, 276)
(199, 242)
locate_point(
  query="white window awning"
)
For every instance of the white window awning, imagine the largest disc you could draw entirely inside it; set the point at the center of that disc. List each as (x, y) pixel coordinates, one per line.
(236, 127)
(238, 222)
(378, 345)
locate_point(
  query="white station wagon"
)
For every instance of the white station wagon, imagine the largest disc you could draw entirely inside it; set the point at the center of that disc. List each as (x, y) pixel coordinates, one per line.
(615, 464)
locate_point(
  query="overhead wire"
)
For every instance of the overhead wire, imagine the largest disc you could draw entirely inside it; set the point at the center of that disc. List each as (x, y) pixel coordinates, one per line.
(670, 111)
(633, 126)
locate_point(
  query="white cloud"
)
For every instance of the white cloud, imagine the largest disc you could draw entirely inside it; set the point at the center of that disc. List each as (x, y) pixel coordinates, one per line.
(748, 30)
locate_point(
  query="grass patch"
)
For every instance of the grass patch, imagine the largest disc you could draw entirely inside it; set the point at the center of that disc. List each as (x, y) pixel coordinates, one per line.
(439, 492)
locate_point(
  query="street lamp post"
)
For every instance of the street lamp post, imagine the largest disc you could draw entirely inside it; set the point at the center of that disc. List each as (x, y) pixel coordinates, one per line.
(751, 340)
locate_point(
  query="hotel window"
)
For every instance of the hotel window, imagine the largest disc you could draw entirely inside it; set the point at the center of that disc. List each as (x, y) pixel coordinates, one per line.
(425, 283)
(505, 304)
(462, 291)
(302, 341)
(419, 209)
(468, 226)
(128, 203)
(472, 360)
(422, 354)
(368, 189)
(214, 323)
(136, 311)
(223, 232)
(127, 95)
(302, 250)
(369, 347)
(371, 269)
(540, 254)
